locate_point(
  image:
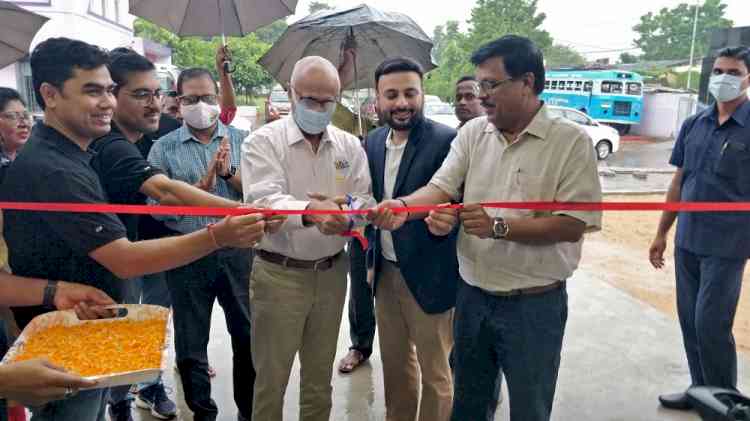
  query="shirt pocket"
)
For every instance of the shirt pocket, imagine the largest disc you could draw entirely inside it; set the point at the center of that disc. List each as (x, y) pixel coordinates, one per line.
(342, 169)
(733, 163)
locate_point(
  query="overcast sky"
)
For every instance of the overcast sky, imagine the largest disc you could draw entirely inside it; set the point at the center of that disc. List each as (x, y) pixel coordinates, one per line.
(589, 26)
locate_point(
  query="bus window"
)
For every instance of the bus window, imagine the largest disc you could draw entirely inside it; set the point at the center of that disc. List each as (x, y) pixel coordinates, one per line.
(554, 84)
(634, 89)
(606, 87)
(588, 86)
(579, 86)
(616, 87)
(571, 85)
(546, 84)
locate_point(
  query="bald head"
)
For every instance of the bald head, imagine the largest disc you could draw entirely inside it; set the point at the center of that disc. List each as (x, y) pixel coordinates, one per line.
(315, 76)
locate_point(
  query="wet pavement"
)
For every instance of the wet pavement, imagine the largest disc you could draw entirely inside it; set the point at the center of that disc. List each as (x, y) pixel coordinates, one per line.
(618, 355)
(638, 167)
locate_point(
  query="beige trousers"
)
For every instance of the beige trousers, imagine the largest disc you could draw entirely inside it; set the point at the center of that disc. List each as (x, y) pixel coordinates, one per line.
(412, 341)
(295, 310)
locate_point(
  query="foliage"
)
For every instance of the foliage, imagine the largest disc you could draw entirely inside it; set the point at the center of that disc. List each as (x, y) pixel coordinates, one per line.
(668, 34)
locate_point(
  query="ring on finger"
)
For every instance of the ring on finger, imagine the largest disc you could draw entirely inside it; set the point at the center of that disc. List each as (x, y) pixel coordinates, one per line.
(70, 392)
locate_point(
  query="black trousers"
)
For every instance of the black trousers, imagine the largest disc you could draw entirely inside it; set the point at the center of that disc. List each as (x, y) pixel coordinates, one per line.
(223, 276)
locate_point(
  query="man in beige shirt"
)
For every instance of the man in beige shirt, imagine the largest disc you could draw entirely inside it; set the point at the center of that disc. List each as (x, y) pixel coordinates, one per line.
(298, 282)
(512, 308)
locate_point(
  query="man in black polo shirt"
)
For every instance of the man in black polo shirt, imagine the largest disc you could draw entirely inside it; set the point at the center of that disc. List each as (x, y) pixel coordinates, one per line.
(74, 87)
(128, 178)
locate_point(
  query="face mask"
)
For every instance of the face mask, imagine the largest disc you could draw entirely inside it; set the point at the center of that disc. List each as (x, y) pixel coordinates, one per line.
(200, 116)
(310, 121)
(725, 87)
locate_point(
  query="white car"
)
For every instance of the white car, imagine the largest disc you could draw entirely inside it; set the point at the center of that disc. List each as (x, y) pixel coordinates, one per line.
(606, 139)
(442, 113)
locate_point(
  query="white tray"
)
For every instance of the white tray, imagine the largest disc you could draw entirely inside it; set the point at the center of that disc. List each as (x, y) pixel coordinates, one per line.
(136, 312)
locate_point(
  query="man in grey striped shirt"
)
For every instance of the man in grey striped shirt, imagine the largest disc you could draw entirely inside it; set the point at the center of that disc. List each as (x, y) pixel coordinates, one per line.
(206, 153)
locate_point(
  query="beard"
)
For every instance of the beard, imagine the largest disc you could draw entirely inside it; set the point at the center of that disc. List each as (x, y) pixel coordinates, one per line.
(417, 115)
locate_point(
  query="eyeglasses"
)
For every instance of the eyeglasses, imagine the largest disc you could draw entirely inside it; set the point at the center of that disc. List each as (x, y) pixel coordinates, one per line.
(22, 116)
(492, 85)
(145, 96)
(193, 99)
(315, 103)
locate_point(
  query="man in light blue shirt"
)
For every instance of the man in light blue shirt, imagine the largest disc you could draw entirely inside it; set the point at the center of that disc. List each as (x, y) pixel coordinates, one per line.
(206, 153)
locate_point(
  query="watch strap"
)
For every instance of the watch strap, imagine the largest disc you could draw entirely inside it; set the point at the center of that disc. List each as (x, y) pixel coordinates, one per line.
(49, 294)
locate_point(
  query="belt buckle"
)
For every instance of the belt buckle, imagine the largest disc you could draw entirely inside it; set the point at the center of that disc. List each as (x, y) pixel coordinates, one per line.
(315, 266)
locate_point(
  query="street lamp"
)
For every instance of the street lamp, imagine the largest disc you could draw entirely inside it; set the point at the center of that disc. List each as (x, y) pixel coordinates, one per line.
(692, 45)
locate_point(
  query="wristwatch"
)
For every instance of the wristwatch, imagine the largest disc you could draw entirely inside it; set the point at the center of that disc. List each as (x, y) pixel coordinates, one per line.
(49, 294)
(500, 228)
(232, 171)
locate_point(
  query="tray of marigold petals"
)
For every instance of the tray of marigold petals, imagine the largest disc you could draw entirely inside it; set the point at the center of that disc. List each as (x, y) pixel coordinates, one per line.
(124, 350)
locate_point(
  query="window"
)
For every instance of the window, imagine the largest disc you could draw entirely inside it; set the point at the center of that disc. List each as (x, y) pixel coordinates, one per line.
(634, 89)
(571, 85)
(588, 86)
(577, 118)
(616, 87)
(622, 109)
(106, 9)
(554, 84)
(579, 86)
(546, 84)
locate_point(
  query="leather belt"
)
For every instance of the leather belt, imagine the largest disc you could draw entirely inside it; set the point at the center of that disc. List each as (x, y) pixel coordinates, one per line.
(280, 259)
(529, 291)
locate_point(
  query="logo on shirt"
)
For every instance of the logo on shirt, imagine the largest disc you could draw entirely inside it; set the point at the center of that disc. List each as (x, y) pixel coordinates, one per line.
(341, 164)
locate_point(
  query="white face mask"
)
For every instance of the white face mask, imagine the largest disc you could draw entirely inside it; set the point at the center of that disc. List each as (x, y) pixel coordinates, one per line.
(200, 115)
(726, 87)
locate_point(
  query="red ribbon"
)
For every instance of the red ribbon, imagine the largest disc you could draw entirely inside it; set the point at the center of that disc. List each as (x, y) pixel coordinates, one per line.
(219, 212)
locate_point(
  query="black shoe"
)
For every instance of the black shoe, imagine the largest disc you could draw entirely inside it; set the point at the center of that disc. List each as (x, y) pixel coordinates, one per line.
(678, 401)
(120, 411)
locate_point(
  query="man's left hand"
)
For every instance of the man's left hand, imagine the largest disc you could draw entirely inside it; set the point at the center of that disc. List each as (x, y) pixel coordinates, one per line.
(476, 221)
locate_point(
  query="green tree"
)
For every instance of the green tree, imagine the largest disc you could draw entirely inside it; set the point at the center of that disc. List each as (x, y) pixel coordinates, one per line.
(667, 35)
(249, 77)
(562, 56)
(452, 59)
(317, 6)
(271, 33)
(627, 58)
(491, 19)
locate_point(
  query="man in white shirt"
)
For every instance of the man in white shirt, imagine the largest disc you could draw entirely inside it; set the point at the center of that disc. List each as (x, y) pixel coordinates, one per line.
(512, 308)
(298, 282)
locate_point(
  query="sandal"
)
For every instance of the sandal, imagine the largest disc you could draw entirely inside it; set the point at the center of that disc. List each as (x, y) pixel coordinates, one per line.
(351, 361)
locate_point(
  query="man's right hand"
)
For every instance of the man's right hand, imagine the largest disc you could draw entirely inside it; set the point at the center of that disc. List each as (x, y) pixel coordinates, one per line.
(441, 221)
(36, 382)
(656, 251)
(208, 182)
(243, 231)
(327, 224)
(384, 218)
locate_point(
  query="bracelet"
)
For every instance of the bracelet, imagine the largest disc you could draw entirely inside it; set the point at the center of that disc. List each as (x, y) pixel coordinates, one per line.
(49, 294)
(403, 202)
(210, 229)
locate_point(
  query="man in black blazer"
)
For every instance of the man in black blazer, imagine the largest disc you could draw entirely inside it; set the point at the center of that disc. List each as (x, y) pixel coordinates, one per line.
(416, 273)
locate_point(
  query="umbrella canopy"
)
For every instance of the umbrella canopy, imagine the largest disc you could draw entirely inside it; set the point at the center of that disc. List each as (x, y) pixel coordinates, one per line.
(377, 35)
(17, 28)
(209, 18)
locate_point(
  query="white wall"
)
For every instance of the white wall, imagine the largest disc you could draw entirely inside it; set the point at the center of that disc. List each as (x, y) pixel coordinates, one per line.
(661, 115)
(83, 20)
(8, 77)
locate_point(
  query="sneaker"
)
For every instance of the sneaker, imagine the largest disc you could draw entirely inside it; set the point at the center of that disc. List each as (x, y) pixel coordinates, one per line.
(155, 398)
(120, 411)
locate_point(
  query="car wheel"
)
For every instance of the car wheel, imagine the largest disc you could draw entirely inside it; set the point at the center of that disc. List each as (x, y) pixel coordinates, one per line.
(603, 149)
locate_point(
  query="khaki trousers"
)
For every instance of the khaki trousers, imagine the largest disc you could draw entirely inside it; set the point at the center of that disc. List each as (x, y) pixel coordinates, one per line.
(412, 341)
(295, 310)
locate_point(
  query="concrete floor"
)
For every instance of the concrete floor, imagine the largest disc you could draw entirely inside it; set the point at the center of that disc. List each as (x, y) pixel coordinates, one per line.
(619, 354)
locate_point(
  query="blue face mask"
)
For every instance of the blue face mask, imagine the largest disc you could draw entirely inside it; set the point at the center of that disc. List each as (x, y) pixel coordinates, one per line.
(311, 121)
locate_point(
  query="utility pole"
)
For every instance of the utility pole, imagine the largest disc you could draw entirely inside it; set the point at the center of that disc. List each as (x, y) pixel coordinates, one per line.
(692, 45)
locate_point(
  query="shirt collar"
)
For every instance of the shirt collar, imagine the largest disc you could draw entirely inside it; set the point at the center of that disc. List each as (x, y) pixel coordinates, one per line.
(185, 135)
(58, 141)
(741, 115)
(294, 134)
(539, 126)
